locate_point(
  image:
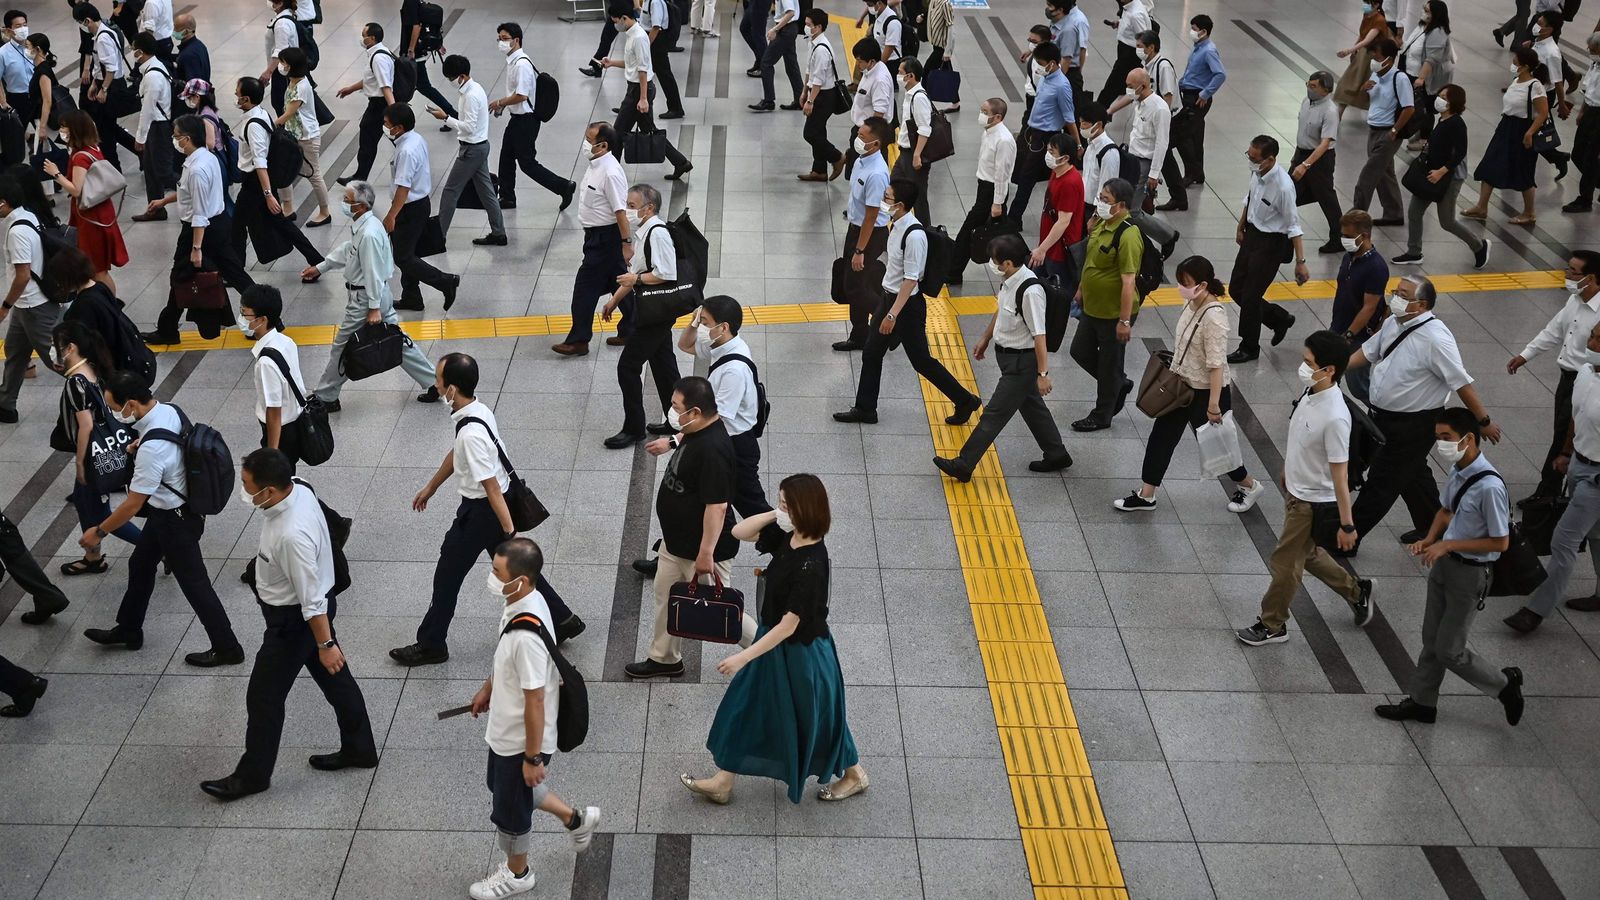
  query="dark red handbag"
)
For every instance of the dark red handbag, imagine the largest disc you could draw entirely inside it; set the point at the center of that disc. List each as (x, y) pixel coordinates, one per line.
(705, 612)
(201, 290)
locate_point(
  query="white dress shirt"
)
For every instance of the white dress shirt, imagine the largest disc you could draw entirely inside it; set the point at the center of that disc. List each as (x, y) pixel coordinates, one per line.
(887, 30)
(1586, 412)
(107, 56)
(1591, 91)
(1094, 168)
(874, 95)
(1135, 19)
(656, 251)
(1152, 123)
(1319, 436)
(156, 18)
(521, 78)
(997, 156)
(24, 247)
(522, 663)
(200, 189)
(604, 193)
(1163, 77)
(305, 10)
(378, 73)
(1569, 329)
(294, 565)
(471, 122)
(158, 468)
(1017, 324)
(636, 54)
(907, 256)
(821, 69)
(1270, 203)
(475, 456)
(281, 35)
(254, 140)
(272, 390)
(1421, 373)
(653, 14)
(915, 107)
(738, 401)
(411, 167)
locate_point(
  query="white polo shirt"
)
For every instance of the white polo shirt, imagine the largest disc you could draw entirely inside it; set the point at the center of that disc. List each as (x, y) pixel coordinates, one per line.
(1016, 325)
(906, 263)
(272, 390)
(1421, 373)
(24, 247)
(294, 565)
(522, 663)
(1319, 436)
(475, 456)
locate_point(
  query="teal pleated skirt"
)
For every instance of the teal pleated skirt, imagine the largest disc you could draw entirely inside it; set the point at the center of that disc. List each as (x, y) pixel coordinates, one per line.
(783, 717)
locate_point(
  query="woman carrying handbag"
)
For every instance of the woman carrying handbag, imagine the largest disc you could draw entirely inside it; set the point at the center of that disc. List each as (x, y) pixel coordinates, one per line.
(1436, 177)
(1509, 161)
(1201, 361)
(83, 412)
(783, 716)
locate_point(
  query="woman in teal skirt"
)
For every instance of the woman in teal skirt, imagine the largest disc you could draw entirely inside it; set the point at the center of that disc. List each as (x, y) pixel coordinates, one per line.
(783, 716)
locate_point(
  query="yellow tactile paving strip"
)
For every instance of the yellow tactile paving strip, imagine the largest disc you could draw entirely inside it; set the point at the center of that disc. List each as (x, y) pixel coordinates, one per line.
(1064, 832)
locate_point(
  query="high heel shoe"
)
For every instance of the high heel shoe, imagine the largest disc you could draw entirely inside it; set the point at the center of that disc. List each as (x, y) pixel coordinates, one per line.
(829, 794)
(720, 798)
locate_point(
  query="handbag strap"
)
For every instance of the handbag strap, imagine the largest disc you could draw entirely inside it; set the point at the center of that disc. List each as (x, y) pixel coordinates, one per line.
(1455, 503)
(283, 366)
(1403, 335)
(504, 460)
(1195, 329)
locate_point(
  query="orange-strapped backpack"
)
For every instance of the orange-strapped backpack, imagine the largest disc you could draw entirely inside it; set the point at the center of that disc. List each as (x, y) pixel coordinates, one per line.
(572, 707)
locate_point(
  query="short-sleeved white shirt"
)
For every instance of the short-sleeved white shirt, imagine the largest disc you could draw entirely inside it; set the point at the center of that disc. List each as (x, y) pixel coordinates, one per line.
(410, 165)
(272, 391)
(378, 73)
(1419, 374)
(906, 263)
(521, 78)
(663, 255)
(475, 456)
(158, 470)
(1016, 331)
(1319, 436)
(281, 35)
(24, 246)
(522, 663)
(1514, 102)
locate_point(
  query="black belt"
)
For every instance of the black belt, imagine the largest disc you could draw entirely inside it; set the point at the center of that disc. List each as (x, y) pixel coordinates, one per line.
(1471, 562)
(1371, 127)
(1583, 459)
(473, 143)
(999, 349)
(1377, 411)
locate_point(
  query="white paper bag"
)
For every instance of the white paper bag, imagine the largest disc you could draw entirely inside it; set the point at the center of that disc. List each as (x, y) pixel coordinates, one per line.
(1219, 446)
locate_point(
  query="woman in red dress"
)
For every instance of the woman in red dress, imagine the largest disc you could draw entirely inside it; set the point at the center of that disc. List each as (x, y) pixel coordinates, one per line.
(99, 235)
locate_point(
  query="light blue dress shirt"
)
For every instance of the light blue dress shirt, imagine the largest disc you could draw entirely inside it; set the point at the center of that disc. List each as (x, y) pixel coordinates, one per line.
(1484, 511)
(1204, 73)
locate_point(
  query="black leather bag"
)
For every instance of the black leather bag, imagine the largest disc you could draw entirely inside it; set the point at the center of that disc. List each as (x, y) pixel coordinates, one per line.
(978, 249)
(1416, 180)
(373, 350)
(1517, 572)
(847, 281)
(431, 241)
(644, 147)
(527, 512)
(312, 429)
(702, 612)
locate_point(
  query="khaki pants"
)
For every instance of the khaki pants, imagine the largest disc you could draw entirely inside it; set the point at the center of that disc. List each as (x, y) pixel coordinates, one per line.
(312, 148)
(664, 648)
(1297, 554)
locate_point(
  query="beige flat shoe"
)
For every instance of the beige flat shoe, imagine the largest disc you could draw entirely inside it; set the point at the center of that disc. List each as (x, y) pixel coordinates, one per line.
(1524, 220)
(1475, 213)
(833, 793)
(720, 798)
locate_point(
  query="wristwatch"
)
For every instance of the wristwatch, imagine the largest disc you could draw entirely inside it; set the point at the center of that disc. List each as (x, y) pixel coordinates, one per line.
(1348, 529)
(533, 759)
(328, 644)
(1483, 422)
(100, 532)
(628, 239)
(859, 252)
(1044, 374)
(1128, 322)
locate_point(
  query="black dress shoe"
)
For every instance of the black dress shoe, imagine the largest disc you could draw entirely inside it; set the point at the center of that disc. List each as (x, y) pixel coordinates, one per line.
(1331, 247)
(156, 337)
(791, 107)
(320, 223)
(231, 788)
(1282, 331)
(677, 174)
(566, 196)
(753, 71)
(1122, 396)
(28, 693)
(431, 395)
(347, 179)
(847, 346)
(671, 114)
(490, 240)
(508, 202)
(333, 762)
(116, 637)
(622, 440)
(1173, 205)
(860, 416)
(661, 429)
(646, 567)
(963, 411)
(1090, 423)
(1389, 221)
(953, 468)
(1194, 181)
(1051, 465)
(1170, 245)
(409, 304)
(591, 71)
(1414, 535)
(1408, 710)
(332, 406)
(42, 612)
(763, 106)
(450, 292)
(210, 659)
(1579, 205)
(651, 669)
(569, 628)
(419, 655)
(1511, 695)
(1524, 620)
(1499, 37)
(1242, 355)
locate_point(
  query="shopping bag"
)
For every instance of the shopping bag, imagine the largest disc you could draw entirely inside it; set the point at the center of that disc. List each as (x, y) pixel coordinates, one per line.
(1219, 446)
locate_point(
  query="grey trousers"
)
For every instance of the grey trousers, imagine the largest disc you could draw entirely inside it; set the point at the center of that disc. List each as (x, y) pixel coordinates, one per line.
(471, 165)
(1377, 173)
(27, 330)
(1017, 391)
(1417, 205)
(1582, 519)
(355, 315)
(1157, 229)
(1455, 592)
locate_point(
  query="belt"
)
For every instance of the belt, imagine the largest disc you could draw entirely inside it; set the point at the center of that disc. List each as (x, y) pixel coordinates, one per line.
(354, 287)
(1371, 127)
(1377, 411)
(999, 349)
(1482, 564)
(473, 143)
(1583, 459)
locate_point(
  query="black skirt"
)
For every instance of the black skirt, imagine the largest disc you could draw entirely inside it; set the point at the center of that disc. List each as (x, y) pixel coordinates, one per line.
(1506, 163)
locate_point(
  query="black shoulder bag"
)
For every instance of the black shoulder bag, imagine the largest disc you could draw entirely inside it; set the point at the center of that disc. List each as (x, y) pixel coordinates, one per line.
(527, 513)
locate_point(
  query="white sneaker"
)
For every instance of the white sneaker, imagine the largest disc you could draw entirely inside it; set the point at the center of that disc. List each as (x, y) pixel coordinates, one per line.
(1244, 499)
(581, 835)
(501, 883)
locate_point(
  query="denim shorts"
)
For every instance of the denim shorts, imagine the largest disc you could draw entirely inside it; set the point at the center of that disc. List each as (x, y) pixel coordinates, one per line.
(514, 802)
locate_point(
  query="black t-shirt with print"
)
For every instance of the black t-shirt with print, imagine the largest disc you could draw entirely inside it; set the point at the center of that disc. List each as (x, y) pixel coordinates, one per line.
(700, 473)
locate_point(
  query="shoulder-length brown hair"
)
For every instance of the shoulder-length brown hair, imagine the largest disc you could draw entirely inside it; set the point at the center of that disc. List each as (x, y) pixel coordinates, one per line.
(807, 502)
(81, 132)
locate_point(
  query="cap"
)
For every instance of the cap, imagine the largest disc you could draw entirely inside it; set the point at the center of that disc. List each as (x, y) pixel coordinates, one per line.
(196, 87)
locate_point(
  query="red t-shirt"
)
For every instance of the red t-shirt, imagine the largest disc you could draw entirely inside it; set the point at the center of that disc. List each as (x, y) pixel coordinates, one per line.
(1064, 193)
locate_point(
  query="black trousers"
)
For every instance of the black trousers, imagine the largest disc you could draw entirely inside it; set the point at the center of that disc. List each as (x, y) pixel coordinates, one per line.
(426, 88)
(367, 135)
(823, 153)
(287, 646)
(1399, 470)
(288, 444)
(1166, 431)
(13, 678)
(1316, 186)
(781, 47)
(904, 170)
(23, 105)
(474, 532)
(216, 253)
(279, 87)
(749, 497)
(112, 134)
(1074, 78)
(608, 36)
(977, 216)
(911, 333)
(753, 27)
(1551, 481)
(1253, 270)
(1117, 78)
(630, 118)
(272, 233)
(1187, 139)
(1096, 350)
(661, 67)
(864, 295)
(174, 536)
(648, 344)
(1517, 25)
(408, 228)
(597, 274)
(156, 160)
(520, 147)
(1586, 151)
(17, 561)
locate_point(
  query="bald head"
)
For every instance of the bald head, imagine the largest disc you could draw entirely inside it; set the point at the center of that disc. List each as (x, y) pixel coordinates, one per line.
(183, 22)
(1139, 80)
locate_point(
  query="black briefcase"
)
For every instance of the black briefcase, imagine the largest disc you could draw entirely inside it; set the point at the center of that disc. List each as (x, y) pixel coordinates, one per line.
(978, 250)
(373, 350)
(846, 280)
(470, 198)
(431, 241)
(644, 147)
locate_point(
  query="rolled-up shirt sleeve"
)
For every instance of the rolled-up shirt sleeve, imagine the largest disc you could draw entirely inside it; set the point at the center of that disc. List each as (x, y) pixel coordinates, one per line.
(303, 567)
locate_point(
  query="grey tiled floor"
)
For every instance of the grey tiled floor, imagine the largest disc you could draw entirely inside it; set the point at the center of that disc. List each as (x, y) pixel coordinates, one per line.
(1223, 773)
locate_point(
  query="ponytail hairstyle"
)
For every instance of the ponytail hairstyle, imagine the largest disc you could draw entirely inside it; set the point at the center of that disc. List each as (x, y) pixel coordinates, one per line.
(43, 43)
(1201, 271)
(91, 346)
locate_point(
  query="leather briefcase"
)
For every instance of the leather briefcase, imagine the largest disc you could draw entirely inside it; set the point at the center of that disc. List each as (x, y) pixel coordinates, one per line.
(704, 612)
(201, 290)
(373, 350)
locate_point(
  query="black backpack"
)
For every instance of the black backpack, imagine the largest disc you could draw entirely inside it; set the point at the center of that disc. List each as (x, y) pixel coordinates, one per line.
(910, 43)
(1150, 275)
(546, 93)
(572, 703)
(431, 17)
(405, 76)
(763, 405)
(338, 534)
(207, 462)
(1057, 309)
(1127, 166)
(303, 38)
(942, 255)
(1517, 572)
(284, 156)
(51, 244)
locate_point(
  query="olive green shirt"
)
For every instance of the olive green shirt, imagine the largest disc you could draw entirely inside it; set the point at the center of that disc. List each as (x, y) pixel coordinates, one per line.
(1103, 269)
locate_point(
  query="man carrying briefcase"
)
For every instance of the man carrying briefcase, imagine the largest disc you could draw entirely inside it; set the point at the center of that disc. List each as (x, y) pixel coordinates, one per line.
(368, 262)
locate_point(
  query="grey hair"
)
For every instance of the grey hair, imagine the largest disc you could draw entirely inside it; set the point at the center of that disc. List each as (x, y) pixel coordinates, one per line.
(1324, 78)
(1423, 289)
(650, 196)
(1121, 191)
(364, 194)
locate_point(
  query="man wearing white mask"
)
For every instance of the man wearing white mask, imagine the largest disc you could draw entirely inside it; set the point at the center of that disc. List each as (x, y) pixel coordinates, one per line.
(608, 237)
(1416, 367)
(156, 19)
(1316, 488)
(295, 586)
(519, 146)
(1163, 73)
(1133, 19)
(1392, 103)
(471, 165)
(997, 156)
(1586, 140)
(16, 67)
(650, 281)
(275, 375)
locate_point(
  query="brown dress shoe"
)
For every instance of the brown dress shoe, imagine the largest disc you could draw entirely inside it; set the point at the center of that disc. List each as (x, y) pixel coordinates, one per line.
(838, 168)
(616, 340)
(812, 176)
(571, 349)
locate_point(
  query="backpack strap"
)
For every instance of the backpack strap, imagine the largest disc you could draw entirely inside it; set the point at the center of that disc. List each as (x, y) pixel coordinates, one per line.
(171, 437)
(1455, 504)
(648, 265)
(283, 366)
(1022, 292)
(504, 460)
(1116, 236)
(33, 270)
(735, 356)
(906, 235)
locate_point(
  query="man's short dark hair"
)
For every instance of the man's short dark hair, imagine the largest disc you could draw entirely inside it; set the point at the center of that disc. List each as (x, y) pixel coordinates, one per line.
(881, 130)
(1149, 39)
(144, 41)
(1064, 144)
(376, 30)
(1092, 111)
(512, 29)
(85, 12)
(125, 386)
(401, 114)
(1329, 349)
(13, 14)
(192, 127)
(264, 300)
(1384, 48)
(455, 66)
(867, 48)
(269, 468)
(606, 133)
(1120, 189)
(911, 67)
(460, 371)
(250, 87)
(1047, 52)
(697, 394)
(1588, 260)
(621, 9)
(726, 311)
(906, 192)
(1009, 248)
(1460, 420)
(1202, 22)
(13, 194)
(523, 558)
(1267, 144)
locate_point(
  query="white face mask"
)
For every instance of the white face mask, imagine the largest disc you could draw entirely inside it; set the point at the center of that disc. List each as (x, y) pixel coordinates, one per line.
(703, 336)
(1593, 357)
(283, 68)
(498, 587)
(1308, 375)
(1350, 244)
(348, 210)
(20, 33)
(1513, 69)
(505, 47)
(1376, 66)
(633, 217)
(860, 145)
(1194, 35)
(248, 497)
(588, 150)
(1441, 105)
(177, 146)
(1131, 91)
(1051, 160)
(784, 522)
(124, 418)
(1102, 209)
(1397, 305)
(1144, 56)
(1449, 451)
(983, 119)
(245, 328)
(674, 419)
(1572, 285)
(996, 271)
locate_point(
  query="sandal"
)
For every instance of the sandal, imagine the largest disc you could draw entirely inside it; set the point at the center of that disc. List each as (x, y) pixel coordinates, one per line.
(1524, 220)
(1475, 213)
(85, 566)
(720, 798)
(830, 794)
